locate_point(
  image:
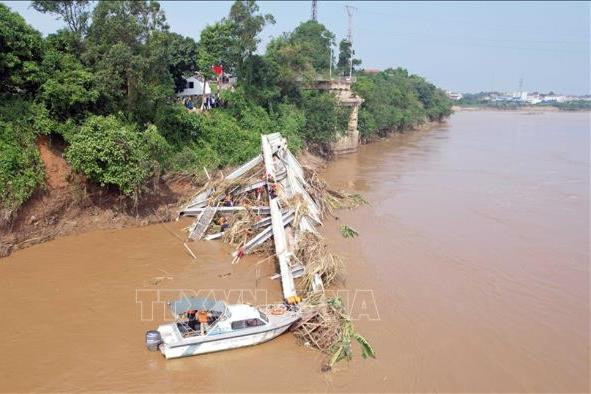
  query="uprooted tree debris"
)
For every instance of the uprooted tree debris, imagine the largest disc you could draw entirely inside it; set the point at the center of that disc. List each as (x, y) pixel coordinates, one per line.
(273, 196)
(326, 326)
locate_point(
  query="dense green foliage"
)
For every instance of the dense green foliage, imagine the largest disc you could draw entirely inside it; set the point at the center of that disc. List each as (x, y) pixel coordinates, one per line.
(22, 49)
(395, 100)
(324, 117)
(346, 63)
(113, 153)
(106, 83)
(579, 105)
(21, 171)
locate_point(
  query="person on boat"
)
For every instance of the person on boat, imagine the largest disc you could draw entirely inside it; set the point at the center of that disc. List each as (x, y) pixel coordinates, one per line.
(192, 323)
(202, 317)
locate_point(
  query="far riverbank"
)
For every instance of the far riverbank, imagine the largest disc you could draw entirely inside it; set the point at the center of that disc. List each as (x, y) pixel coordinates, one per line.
(524, 108)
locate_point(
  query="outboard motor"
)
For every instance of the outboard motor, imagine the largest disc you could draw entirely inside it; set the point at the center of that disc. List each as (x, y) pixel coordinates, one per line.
(153, 339)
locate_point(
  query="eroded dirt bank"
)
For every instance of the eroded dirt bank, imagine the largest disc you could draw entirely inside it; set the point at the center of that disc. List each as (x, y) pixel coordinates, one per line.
(68, 204)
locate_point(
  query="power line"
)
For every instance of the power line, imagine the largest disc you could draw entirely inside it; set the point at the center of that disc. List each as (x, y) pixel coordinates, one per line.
(349, 9)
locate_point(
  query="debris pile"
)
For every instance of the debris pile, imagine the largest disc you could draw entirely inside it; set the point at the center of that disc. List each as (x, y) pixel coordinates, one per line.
(326, 326)
(271, 205)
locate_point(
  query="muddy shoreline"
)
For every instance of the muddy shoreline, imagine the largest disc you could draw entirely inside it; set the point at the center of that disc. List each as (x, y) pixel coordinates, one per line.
(68, 204)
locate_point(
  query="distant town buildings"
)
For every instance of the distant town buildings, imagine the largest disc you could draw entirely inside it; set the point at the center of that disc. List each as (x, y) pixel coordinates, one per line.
(523, 97)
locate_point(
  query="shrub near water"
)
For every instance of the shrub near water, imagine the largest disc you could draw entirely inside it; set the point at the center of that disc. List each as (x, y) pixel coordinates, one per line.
(111, 152)
(21, 171)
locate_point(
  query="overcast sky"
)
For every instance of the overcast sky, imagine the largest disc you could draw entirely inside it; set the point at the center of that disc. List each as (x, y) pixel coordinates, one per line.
(462, 46)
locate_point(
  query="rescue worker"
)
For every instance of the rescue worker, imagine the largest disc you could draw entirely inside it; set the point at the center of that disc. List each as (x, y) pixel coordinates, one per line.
(223, 222)
(192, 321)
(273, 191)
(202, 317)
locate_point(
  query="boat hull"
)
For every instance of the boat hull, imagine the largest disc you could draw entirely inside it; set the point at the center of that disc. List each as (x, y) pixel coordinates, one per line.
(223, 344)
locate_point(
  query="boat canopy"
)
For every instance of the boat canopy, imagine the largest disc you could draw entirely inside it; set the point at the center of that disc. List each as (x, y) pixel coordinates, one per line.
(185, 304)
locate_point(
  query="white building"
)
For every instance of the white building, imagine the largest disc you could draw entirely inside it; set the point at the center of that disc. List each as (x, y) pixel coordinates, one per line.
(454, 95)
(194, 87)
(559, 99)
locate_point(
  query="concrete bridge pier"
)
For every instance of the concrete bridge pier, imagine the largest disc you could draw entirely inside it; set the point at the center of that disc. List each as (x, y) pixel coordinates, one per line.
(347, 140)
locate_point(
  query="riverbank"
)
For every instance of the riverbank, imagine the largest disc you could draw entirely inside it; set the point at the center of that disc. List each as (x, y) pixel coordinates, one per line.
(522, 108)
(70, 205)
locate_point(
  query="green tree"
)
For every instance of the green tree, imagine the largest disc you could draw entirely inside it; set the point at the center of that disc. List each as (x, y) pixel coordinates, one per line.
(292, 65)
(127, 22)
(247, 24)
(217, 46)
(21, 170)
(316, 41)
(345, 54)
(112, 152)
(264, 76)
(178, 53)
(21, 54)
(69, 90)
(324, 118)
(74, 12)
(64, 41)
(131, 73)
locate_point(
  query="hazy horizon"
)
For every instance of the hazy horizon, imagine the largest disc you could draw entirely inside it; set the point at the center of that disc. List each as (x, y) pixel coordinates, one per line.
(460, 46)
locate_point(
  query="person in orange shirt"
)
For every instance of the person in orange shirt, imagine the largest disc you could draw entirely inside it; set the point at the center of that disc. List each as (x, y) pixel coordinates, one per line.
(202, 317)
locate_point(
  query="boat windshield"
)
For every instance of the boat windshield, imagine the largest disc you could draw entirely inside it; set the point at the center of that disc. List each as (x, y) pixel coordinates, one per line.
(264, 317)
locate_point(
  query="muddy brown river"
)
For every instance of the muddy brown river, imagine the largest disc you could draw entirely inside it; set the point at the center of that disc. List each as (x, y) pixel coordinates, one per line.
(470, 274)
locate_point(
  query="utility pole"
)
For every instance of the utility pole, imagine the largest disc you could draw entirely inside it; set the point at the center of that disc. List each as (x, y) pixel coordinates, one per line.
(315, 10)
(350, 10)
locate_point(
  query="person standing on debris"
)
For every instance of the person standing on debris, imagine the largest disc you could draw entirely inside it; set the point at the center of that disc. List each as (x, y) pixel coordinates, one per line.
(227, 201)
(260, 192)
(273, 191)
(223, 222)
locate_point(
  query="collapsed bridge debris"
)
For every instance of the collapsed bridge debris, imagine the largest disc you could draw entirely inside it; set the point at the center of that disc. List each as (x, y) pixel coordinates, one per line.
(267, 196)
(273, 197)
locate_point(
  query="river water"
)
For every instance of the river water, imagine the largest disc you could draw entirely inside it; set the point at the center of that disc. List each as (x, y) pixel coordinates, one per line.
(470, 274)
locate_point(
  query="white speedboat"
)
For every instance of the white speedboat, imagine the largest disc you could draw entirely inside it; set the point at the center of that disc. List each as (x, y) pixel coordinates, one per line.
(204, 326)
